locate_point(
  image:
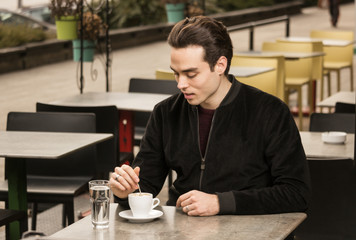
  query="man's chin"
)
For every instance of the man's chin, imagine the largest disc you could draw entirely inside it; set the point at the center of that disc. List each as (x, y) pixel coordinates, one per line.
(193, 102)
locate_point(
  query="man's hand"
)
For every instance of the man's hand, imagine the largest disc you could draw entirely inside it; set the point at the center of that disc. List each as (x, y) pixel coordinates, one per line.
(124, 180)
(196, 203)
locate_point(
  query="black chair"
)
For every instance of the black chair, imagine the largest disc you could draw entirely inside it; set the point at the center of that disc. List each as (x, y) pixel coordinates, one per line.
(332, 213)
(56, 180)
(320, 122)
(341, 107)
(107, 121)
(142, 85)
(8, 216)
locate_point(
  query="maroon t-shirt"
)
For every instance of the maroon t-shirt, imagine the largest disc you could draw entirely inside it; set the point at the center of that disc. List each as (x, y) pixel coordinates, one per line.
(205, 118)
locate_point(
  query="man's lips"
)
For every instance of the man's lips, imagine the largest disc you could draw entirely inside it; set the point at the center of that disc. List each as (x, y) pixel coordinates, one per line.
(188, 95)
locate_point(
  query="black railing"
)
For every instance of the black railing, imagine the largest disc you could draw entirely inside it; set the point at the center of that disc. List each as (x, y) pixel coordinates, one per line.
(251, 26)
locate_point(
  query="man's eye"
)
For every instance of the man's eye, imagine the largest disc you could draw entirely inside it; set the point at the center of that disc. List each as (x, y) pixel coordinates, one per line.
(191, 75)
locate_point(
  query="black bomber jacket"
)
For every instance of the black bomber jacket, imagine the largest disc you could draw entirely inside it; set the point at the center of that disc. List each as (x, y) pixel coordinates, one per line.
(254, 161)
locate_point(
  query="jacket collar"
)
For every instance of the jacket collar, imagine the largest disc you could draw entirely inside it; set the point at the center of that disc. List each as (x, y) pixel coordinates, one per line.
(231, 95)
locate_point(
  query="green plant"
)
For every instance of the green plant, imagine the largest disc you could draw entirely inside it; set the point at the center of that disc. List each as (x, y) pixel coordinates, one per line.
(93, 26)
(174, 1)
(130, 13)
(61, 8)
(17, 35)
(194, 9)
(229, 5)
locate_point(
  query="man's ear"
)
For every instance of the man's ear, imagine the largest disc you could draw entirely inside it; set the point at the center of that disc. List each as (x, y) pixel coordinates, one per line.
(221, 65)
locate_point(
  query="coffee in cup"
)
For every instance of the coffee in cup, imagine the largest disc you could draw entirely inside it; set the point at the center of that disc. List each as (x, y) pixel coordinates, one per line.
(141, 204)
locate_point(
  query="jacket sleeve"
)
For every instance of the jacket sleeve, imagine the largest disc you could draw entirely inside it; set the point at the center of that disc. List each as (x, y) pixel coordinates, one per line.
(290, 182)
(150, 158)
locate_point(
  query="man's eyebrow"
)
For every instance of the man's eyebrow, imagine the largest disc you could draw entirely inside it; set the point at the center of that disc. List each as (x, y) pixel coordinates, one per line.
(186, 70)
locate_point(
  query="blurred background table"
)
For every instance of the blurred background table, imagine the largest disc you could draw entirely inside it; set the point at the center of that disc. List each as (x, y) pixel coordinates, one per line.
(239, 71)
(126, 102)
(345, 97)
(19, 146)
(314, 147)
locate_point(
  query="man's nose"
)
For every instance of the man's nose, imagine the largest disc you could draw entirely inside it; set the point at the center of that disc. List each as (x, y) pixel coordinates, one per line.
(182, 82)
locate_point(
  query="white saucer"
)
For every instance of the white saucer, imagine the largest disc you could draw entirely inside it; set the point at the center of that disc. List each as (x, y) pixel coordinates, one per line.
(127, 214)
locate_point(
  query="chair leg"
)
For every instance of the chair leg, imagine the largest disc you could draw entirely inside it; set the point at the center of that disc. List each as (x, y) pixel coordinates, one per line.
(322, 88)
(329, 83)
(300, 108)
(338, 80)
(351, 78)
(286, 96)
(23, 225)
(34, 216)
(311, 95)
(64, 216)
(69, 208)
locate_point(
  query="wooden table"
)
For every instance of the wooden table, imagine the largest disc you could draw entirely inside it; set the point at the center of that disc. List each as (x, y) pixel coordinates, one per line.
(314, 147)
(345, 97)
(174, 224)
(240, 71)
(126, 103)
(19, 146)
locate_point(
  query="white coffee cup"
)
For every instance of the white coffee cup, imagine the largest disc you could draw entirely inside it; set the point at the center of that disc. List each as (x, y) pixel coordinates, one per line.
(141, 204)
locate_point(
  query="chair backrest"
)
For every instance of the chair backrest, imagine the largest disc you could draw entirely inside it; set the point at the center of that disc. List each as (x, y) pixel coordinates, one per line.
(321, 122)
(332, 211)
(79, 163)
(295, 68)
(341, 107)
(309, 46)
(150, 86)
(342, 35)
(271, 82)
(336, 53)
(107, 118)
(165, 74)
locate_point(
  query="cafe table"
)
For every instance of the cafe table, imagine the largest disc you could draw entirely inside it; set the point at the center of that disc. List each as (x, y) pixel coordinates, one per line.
(315, 148)
(174, 224)
(242, 71)
(19, 147)
(126, 102)
(326, 42)
(344, 96)
(286, 55)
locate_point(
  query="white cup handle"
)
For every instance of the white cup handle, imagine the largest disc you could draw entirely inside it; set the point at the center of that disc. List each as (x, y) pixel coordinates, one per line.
(155, 204)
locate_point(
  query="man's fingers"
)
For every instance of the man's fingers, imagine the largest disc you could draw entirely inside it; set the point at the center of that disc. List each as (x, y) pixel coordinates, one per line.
(182, 198)
(126, 176)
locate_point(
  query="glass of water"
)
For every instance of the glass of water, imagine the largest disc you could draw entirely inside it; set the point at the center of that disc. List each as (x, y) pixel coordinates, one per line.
(100, 193)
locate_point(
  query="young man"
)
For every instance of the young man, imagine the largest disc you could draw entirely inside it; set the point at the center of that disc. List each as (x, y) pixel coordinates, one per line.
(235, 149)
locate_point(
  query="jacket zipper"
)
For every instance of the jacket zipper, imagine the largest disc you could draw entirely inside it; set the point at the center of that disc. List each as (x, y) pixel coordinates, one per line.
(202, 164)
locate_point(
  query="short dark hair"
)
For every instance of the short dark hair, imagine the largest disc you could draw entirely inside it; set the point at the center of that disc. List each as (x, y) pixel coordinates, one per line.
(205, 32)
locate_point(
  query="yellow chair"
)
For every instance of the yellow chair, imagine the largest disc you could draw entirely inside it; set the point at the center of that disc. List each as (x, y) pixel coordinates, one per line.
(165, 74)
(271, 82)
(318, 71)
(298, 72)
(337, 57)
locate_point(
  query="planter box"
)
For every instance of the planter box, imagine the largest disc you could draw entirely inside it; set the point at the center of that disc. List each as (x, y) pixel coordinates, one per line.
(37, 54)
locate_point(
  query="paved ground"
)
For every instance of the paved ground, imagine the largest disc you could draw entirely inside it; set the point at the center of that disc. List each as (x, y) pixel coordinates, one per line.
(22, 89)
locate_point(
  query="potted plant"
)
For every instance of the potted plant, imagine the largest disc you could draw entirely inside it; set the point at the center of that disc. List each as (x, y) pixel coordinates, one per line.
(175, 10)
(93, 26)
(194, 9)
(66, 15)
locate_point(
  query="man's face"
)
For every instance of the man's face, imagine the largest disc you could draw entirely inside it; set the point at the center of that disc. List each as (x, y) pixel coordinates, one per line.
(194, 77)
